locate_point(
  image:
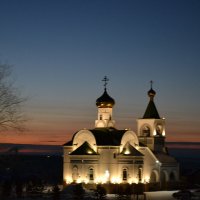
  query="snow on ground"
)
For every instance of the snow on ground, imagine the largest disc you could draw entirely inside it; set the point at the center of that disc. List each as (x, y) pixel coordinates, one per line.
(160, 195)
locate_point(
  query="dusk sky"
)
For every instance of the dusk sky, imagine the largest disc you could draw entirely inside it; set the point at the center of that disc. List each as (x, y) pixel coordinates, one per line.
(60, 51)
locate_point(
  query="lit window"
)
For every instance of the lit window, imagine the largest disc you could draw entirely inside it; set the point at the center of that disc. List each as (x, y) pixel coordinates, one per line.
(124, 175)
(91, 174)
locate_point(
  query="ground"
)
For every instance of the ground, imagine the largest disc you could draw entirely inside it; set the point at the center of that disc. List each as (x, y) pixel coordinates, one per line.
(158, 195)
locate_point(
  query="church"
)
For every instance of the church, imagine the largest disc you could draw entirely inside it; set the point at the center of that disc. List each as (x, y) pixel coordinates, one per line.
(108, 155)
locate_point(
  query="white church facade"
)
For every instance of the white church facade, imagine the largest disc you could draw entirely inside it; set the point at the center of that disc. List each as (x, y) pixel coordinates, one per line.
(108, 155)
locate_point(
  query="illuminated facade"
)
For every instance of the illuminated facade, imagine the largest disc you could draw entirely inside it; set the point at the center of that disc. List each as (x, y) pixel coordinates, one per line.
(108, 155)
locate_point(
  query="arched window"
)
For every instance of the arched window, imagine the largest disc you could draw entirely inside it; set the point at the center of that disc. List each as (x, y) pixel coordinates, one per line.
(146, 131)
(159, 129)
(91, 174)
(154, 177)
(124, 174)
(75, 173)
(100, 117)
(139, 174)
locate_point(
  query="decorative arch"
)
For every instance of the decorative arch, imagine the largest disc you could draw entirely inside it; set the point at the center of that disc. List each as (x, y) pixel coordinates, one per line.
(154, 176)
(159, 129)
(91, 174)
(164, 176)
(100, 123)
(125, 174)
(131, 137)
(81, 137)
(75, 173)
(145, 130)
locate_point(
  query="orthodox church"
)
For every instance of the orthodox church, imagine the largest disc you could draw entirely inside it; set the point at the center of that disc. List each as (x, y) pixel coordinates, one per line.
(108, 155)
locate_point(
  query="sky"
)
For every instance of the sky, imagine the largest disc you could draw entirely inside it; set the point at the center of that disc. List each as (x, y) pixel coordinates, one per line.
(60, 51)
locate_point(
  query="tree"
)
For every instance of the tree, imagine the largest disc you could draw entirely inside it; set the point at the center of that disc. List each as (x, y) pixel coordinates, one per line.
(100, 192)
(79, 192)
(56, 192)
(10, 102)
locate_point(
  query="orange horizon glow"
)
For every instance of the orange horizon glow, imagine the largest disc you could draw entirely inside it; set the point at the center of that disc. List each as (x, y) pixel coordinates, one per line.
(58, 133)
(52, 138)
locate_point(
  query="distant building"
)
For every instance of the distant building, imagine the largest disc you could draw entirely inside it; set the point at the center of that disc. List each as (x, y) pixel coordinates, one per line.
(108, 155)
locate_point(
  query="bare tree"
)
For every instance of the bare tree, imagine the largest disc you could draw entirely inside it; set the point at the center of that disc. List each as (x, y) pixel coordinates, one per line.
(11, 116)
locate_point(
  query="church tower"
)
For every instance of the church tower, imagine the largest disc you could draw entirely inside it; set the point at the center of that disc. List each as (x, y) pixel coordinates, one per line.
(151, 128)
(105, 104)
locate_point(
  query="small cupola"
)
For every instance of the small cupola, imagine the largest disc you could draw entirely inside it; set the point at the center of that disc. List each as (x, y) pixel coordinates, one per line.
(151, 111)
(105, 105)
(105, 101)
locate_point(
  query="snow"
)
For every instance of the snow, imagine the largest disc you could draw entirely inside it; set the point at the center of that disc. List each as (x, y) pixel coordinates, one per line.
(160, 195)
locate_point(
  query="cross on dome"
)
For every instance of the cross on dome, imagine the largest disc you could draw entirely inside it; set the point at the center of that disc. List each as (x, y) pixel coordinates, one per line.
(151, 82)
(105, 80)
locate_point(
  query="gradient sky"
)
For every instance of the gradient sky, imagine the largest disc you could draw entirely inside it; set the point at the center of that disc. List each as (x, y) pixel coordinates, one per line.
(61, 50)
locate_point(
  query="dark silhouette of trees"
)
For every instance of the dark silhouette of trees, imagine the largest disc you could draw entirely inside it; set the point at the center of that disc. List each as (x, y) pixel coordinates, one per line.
(6, 189)
(10, 101)
(79, 192)
(56, 192)
(100, 192)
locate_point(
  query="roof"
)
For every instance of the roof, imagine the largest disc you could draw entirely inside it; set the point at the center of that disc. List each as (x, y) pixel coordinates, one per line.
(164, 158)
(108, 136)
(69, 143)
(151, 111)
(84, 149)
(129, 150)
(104, 137)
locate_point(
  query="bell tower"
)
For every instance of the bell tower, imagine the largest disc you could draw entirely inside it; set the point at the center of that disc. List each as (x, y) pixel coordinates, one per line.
(151, 128)
(105, 104)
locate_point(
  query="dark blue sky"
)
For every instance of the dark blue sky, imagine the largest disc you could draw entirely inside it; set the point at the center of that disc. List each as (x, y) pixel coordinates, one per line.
(61, 50)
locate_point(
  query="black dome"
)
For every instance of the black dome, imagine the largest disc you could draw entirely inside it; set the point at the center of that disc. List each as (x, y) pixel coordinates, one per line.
(151, 93)
(105, 101)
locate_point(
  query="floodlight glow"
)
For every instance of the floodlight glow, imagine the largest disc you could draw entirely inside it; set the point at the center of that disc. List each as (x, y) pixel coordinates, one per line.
(115, 180)
(68, 180)
(127, 152)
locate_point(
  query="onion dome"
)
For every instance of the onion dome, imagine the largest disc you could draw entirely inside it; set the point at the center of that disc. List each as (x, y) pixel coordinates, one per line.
(151, 93)
(105, 101)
